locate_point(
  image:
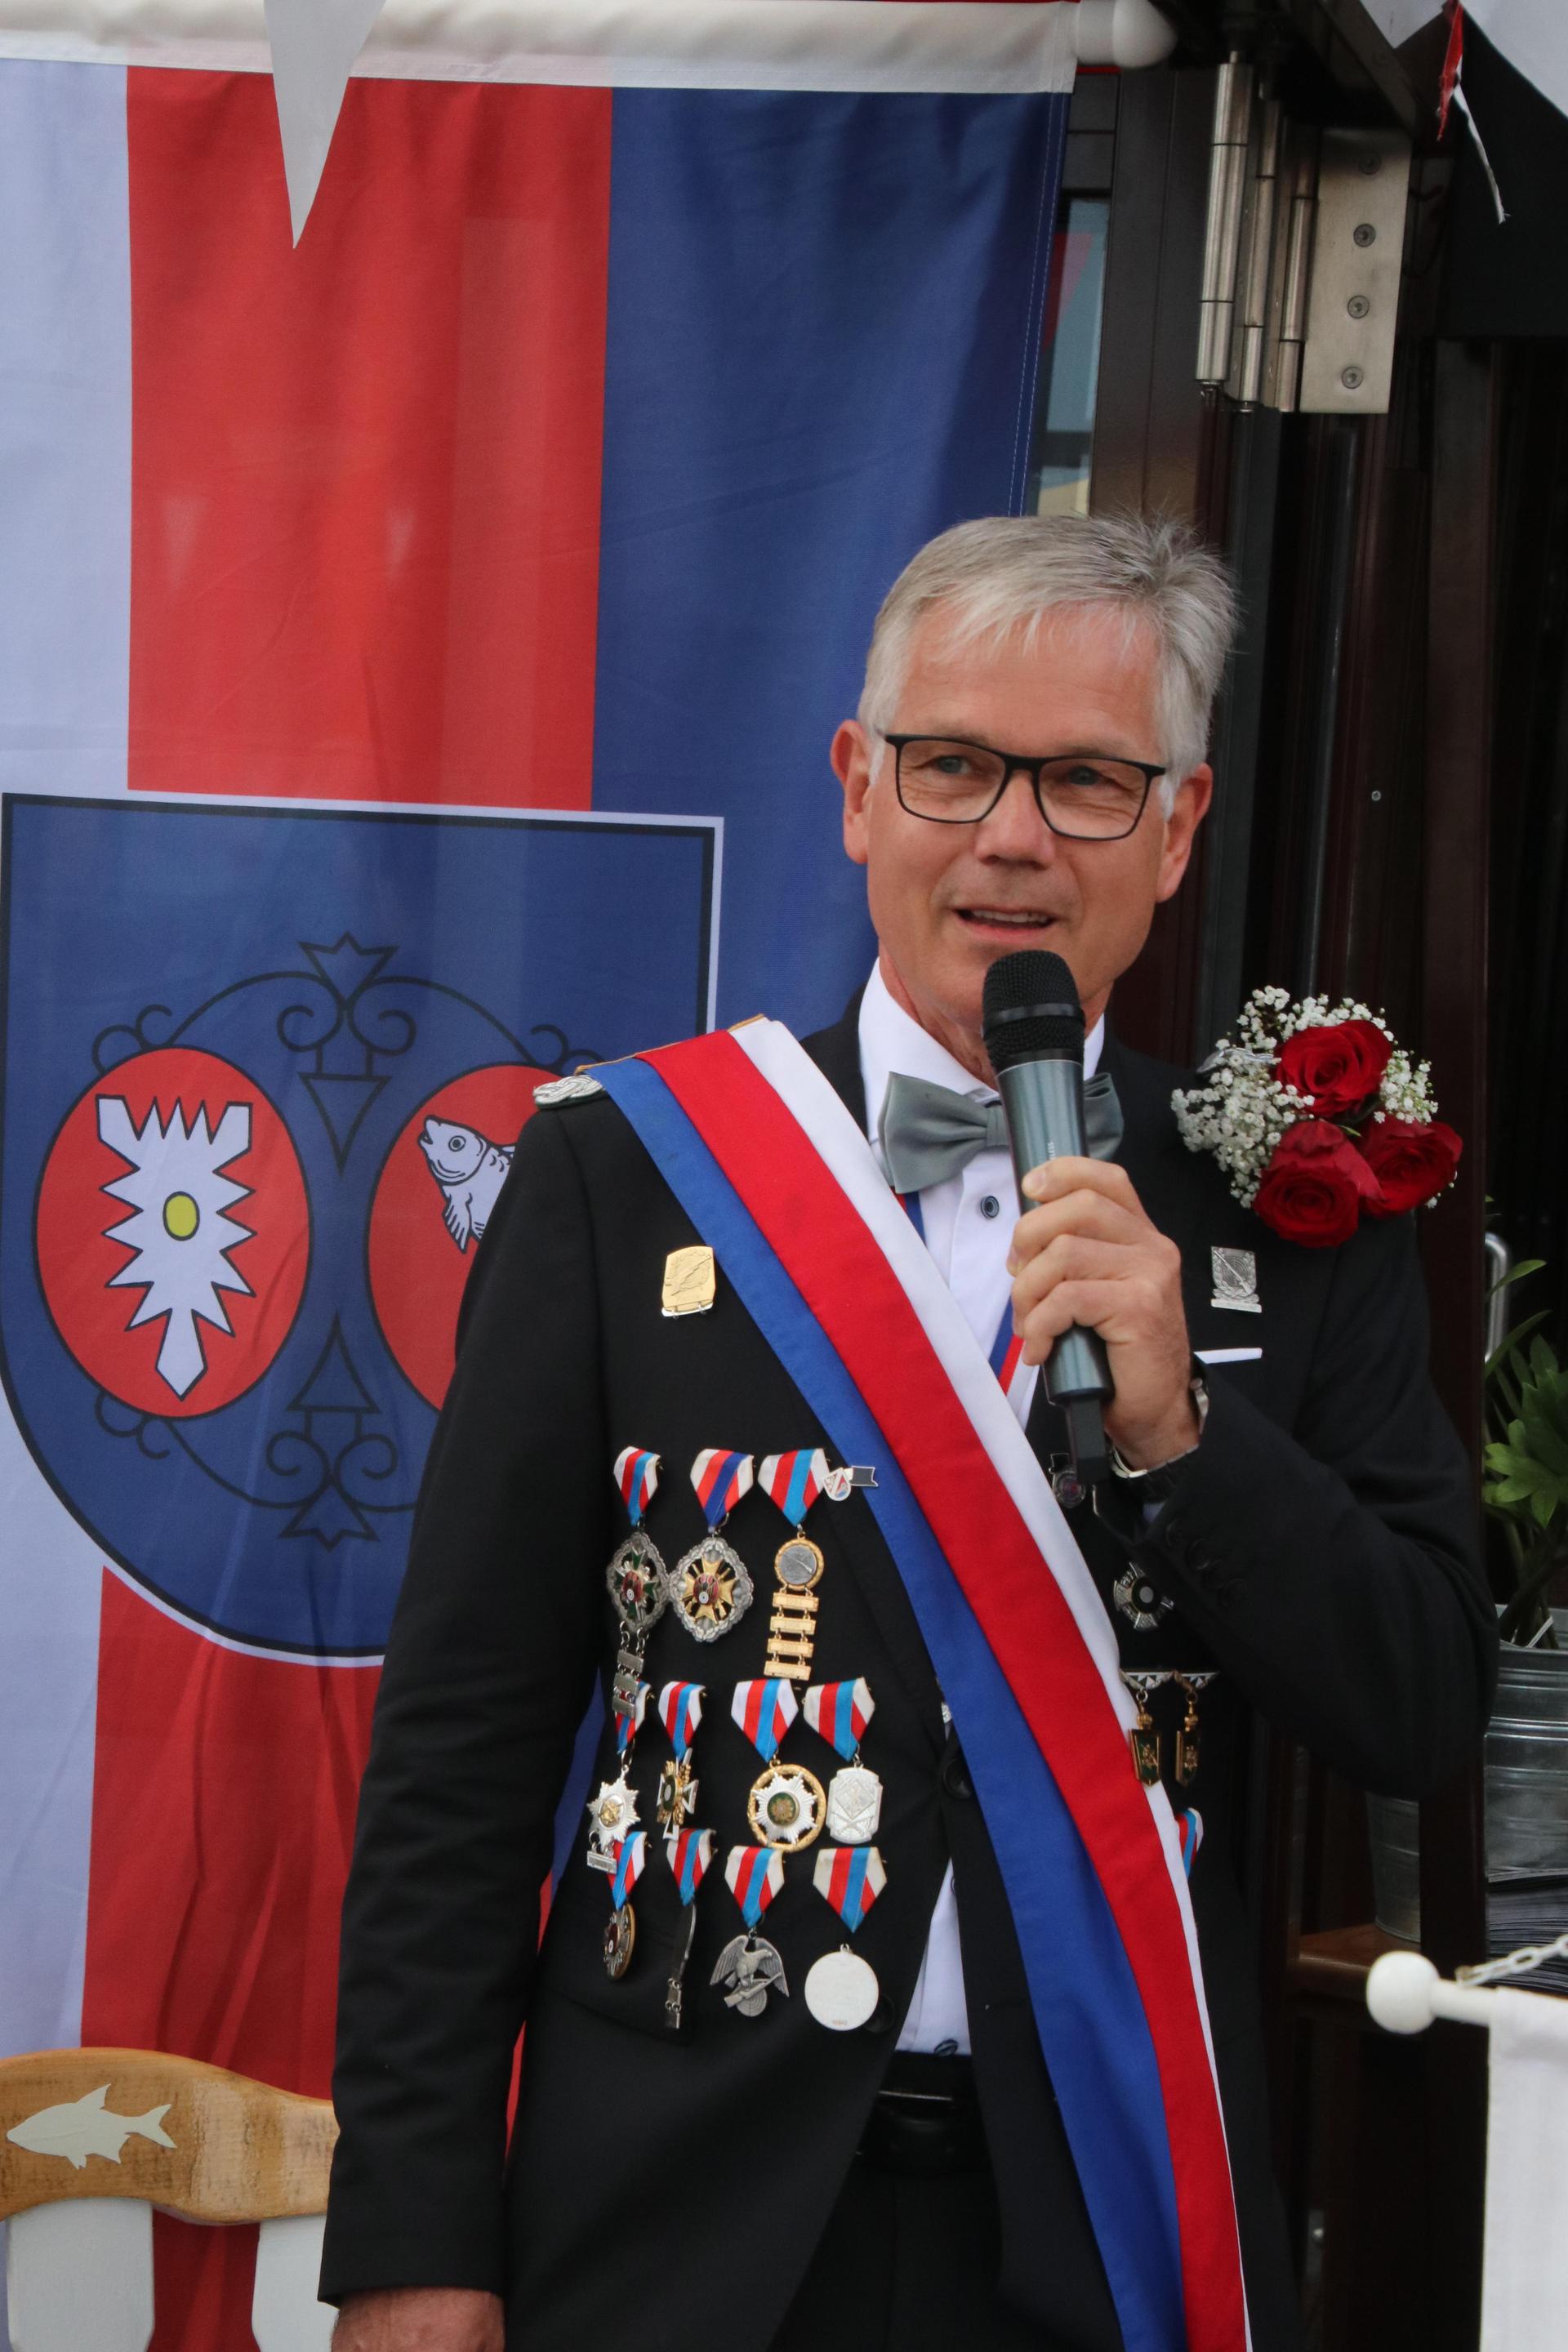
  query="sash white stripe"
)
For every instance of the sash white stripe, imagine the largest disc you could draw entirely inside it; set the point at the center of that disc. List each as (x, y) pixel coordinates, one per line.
(828, 1127)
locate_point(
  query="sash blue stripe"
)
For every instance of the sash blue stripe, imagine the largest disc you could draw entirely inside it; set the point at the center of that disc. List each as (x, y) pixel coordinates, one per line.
(1091, 2019)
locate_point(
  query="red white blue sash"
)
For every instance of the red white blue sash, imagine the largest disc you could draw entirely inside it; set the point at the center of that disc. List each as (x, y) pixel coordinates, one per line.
(781, 1183)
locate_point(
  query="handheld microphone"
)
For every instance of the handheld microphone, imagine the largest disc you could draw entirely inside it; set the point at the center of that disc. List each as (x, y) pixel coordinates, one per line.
(1032, 1024)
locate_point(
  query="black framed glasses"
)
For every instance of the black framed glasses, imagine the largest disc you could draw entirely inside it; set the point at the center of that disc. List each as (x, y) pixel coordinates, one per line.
(1082, 795)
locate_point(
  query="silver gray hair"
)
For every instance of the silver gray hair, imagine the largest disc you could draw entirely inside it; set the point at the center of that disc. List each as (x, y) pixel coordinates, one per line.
(988, 579)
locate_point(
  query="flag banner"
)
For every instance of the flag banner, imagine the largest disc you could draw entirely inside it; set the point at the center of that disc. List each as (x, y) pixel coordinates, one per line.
(418, 655)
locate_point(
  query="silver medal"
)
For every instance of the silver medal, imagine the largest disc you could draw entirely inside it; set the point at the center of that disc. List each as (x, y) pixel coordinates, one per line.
(841, 1990)
(610, 1815)
(854, 1805)
(751, 1970)
(708, 1589)
(638, 1583)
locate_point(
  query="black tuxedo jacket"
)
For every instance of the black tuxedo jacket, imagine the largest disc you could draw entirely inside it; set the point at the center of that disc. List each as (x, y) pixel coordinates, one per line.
(1319, 1548)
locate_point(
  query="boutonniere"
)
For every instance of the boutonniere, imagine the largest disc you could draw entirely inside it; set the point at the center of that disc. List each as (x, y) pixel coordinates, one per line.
(1318, 1117)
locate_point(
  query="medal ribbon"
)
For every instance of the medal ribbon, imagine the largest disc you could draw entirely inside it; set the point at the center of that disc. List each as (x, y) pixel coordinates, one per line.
(628, 1724)
(689, 1852)
(840, 1712)
(637, 1475)
(850, 1877)
(755, 1874)
(631, 1855)
(681, 1712)
(721, 1479)
(1190, 1830)
(764, 1711)
(794, 1481)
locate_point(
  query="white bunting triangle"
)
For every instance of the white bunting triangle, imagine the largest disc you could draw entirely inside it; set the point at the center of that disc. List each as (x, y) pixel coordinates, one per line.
(314, 44)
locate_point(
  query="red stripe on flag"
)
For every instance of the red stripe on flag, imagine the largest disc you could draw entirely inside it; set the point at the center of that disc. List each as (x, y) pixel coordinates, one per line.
(366, 474)
(223, 1811)
(848, 1286)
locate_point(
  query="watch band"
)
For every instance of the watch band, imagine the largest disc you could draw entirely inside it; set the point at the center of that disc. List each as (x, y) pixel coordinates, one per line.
(1197, 1388)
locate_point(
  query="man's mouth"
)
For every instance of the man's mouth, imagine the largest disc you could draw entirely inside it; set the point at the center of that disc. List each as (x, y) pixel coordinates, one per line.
(1003, 918)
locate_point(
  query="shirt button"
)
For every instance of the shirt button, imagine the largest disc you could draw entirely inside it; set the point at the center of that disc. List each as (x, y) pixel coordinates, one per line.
(990, 1206)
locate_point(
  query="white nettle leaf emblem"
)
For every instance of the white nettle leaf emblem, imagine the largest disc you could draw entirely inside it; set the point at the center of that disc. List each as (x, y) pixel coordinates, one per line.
(178, 1232)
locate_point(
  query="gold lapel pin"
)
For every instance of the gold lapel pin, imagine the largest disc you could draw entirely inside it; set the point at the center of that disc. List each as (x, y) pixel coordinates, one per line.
(690, 1281)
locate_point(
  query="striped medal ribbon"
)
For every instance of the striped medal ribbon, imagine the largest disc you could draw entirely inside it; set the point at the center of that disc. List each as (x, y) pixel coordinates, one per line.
(764, 1711)
(841, 1988)
(638, 1579)
(794, 1481)
(710, 1589)
(629, 1721)
(628, 1859)
(749, 1968)
(838, 1713)
(681, 1712)
(691, 1852)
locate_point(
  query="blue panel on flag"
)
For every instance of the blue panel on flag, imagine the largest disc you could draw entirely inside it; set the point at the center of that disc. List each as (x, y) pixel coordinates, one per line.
(822, 333)
(263, 1070)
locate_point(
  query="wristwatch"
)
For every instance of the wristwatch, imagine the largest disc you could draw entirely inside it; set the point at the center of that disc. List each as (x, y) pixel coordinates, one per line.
(1157, 1481)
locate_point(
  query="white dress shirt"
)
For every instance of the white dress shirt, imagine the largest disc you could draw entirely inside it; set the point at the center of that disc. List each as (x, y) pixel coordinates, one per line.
(968, 1220)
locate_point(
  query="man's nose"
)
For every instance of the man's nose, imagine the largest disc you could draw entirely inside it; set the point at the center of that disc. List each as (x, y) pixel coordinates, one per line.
(1015, 829)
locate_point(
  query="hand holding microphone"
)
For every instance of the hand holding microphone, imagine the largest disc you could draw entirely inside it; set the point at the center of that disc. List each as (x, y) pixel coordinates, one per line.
(1097, 1291)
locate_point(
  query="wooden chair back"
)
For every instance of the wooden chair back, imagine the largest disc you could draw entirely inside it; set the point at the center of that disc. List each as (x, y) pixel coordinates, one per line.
(91, 2140)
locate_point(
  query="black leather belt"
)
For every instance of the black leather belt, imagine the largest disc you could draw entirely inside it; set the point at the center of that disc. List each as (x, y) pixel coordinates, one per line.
(926, 2120)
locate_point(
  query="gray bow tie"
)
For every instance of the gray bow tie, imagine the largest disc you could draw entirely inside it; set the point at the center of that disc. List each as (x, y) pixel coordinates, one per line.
(929, 1132)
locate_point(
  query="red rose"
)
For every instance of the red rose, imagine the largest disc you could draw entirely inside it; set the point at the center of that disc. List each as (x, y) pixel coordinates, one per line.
(1411, 1161)
(1314, 1186)
(1337, 1066)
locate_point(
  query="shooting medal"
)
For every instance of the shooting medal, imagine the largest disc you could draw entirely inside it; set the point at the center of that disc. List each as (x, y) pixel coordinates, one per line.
(841, 1988)
(839, 1713)
(689, 1852)
(637, 1575)
(794, 1481)
(1143, 1738)
(612, 1812)
(786, 1806)
(1190, 1685)
(748, 1967)
(621, 1929)
(709, 1588)
(681, 1712)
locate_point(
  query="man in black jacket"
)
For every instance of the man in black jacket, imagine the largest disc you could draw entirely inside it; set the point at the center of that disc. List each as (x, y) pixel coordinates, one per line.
(1291, 1532)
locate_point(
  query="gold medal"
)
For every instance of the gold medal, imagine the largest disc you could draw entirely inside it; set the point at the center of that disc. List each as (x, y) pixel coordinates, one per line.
(676, 1799)
(786, 1807)
(1143, 1738)
(620, 1934)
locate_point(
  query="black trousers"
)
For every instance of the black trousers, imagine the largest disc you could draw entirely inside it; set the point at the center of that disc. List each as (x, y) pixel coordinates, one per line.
(907, 2264)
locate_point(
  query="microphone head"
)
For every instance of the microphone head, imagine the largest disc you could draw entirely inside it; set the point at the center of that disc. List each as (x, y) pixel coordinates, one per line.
(1030, 1011)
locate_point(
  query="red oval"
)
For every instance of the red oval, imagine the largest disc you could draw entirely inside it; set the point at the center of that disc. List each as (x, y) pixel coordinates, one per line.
(174, 1100)
(417, 1266)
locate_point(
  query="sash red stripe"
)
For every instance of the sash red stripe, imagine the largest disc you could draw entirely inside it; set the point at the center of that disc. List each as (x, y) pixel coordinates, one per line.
(850, 1288)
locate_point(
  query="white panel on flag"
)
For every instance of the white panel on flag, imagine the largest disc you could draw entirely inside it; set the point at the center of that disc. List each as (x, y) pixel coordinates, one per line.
(285, 2316)
(81, 2275)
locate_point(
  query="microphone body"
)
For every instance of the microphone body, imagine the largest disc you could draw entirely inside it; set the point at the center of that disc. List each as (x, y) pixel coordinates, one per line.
(1033, 1028)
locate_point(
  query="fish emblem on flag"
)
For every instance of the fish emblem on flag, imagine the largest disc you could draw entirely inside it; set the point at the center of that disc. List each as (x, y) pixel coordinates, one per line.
(252, 1141)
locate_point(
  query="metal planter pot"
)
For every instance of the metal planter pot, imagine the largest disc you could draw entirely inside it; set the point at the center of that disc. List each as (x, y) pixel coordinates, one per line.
(1526, 1778)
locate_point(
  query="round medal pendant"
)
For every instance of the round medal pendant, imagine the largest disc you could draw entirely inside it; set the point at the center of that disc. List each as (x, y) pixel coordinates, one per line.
(841, 1990)
(638, 1583)
(798, 1563)
(709, 1589)
(1139, 1601)
(786, 1807)
(620, 1934)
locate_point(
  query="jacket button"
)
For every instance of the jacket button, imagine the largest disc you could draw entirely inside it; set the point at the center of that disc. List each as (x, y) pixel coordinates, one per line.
(954, 1773)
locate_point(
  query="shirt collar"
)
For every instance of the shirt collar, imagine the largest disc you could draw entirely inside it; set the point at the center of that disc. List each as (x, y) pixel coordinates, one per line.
(892, 1040)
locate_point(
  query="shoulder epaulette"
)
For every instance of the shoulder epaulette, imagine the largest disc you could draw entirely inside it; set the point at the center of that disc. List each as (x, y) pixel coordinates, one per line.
(576, 1088)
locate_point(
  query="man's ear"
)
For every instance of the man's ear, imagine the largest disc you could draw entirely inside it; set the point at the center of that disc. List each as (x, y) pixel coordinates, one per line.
(852, 764)
(1193, 795)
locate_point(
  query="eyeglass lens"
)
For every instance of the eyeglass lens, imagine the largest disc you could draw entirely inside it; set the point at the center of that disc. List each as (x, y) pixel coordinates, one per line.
(1091, 798)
